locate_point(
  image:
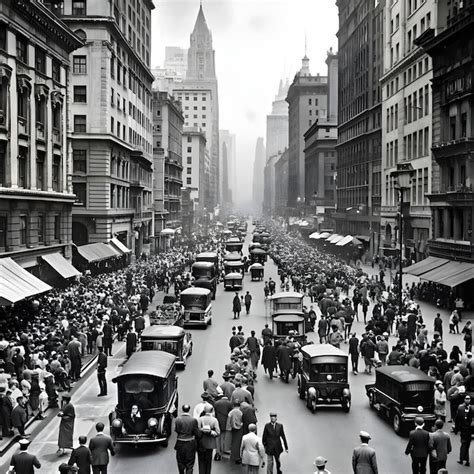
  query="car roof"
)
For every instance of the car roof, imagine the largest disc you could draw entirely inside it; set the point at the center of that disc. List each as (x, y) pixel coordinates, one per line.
(203, 265)
(207, 255)
(233, 275)
(195, 290)
(288, 318)
(313, 350)
(154, 363)
(287, 294)
(404, 373)
(163, 331)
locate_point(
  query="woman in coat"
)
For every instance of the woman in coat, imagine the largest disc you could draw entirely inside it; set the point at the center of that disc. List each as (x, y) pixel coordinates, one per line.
(252, 451)
(66, 427)
(269, 360)
(236, 306)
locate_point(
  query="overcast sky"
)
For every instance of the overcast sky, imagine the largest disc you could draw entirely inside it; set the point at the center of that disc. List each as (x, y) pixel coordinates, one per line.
(257, 43)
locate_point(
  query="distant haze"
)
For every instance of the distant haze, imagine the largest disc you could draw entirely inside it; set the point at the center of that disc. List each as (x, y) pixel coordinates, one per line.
(257, 42)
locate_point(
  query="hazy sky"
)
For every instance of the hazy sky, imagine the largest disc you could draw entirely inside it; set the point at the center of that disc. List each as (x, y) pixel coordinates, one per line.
(257, 42)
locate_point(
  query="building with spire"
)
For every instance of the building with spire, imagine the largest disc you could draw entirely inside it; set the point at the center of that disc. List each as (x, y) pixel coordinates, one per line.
(307, 102)
(227, 155)
(198, 94)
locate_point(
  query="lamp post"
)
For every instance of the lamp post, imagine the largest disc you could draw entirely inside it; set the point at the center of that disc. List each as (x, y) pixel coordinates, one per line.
(402, 176)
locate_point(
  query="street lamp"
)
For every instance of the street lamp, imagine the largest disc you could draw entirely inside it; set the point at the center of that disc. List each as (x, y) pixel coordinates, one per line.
(403, 176)
(298, 205)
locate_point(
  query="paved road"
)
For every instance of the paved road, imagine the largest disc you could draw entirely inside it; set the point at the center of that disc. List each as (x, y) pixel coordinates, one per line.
(329, 432)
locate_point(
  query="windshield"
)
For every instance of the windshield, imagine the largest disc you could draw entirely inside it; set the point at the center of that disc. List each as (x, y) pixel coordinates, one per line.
(166, 346)
(145, 392)
(194, 301)
(284, 328)
(419, 393)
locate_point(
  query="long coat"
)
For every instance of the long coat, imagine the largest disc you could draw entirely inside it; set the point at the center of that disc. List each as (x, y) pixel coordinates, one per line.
(269, 357)
(284, 358)
(66, 427)
(236, 305)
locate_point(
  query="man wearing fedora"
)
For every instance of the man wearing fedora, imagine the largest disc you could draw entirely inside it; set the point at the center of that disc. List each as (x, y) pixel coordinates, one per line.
(320, 464)
(419, 447)
(23, 462)
(364, 460)
(273, 434)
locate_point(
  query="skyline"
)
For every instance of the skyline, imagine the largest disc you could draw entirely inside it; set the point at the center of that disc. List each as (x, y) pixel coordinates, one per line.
(244, 100)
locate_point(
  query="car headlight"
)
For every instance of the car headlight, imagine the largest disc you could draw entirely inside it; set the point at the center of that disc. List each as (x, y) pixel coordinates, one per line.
(329, 377)
(117, 425)
(152, 423)
(419, 408)
(346, 392)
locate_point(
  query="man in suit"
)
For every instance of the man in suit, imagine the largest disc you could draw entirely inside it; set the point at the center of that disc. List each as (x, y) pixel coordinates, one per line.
(100, 446)
(273, 433)
(19, 416)
(101, 370)
(81, 457)
(187, 431)
(209, 431)
(419, 446)
(24, 462)
(462, 423)
(441, 448)
(364, 460)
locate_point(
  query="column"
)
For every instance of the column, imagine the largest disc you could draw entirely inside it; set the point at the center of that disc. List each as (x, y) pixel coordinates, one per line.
(456, 224)
(447, 224)
(436, 222)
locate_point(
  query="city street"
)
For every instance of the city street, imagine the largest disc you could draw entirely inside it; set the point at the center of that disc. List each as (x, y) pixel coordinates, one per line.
(330, 432)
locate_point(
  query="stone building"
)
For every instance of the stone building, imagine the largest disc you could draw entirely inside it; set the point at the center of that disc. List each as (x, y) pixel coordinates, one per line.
(110, 85)
(36, 195)
(281, 183)
(360, 56)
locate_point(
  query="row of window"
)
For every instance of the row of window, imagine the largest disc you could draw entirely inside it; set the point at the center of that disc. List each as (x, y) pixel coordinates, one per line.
(392, 118)
(417, 105)
(392, 153)
(416, 145)
(196, 108)
(410, 75)
(26, 223)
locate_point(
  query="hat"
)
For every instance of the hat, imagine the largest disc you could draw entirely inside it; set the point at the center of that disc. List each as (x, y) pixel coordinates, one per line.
(205, 396)
(456, 368)
(438, 382)
(272, 413)
(24, 442)
(320, 461)
(364, 435)
(469, 354)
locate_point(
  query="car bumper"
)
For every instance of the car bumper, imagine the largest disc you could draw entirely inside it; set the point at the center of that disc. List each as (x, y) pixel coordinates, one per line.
(412, 416)
(139, 440)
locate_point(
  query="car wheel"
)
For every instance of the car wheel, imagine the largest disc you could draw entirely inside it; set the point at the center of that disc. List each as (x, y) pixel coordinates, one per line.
(210, 322)
(371, 400)
(397, 423)
(311, 403)
(164, 443)
(301, 388)
(346, 405)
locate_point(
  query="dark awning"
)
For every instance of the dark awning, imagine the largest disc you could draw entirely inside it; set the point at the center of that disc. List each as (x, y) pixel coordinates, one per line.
(96, 252)
(58, 263)
(452, 274)
(119, 246)
(17, 284)
(426, 265)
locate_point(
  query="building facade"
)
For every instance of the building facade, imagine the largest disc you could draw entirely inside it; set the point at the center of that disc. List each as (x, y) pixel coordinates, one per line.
(450, 44)
(258, 175)
(269, 188)
(281, 183)
(112, 150)
(307, 102)
(36, 195)
(168, 123)
(277, 123)
(176, 59)
(406, 124)
(227, 142)
(360, 64)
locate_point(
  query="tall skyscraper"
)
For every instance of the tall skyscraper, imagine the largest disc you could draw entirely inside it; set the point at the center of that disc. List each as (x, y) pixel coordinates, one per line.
(227, 179)
(258, 175)
(176, 59)
(199, 96)
(277, 122)
(307, 102)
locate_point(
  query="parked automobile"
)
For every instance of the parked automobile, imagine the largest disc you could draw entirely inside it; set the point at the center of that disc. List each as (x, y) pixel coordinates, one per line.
(401, 393)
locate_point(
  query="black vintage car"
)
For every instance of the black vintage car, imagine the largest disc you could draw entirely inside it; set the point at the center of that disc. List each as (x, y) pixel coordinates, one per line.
(147, 385)
(205, 276)
(401, 393)
(324, 377)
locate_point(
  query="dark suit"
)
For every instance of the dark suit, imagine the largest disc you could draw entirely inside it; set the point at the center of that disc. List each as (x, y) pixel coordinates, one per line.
(100, 446)
(419, 446)
(24, 463)
(364, 460)
(271, 440)
(442, 447)
(187, 430)
(462, 423)
(83, 458)
(101, 369)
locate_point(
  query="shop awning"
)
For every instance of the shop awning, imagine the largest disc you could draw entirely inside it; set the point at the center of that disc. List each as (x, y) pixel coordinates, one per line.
(344, 241)
(96, 252)
(365, 238)
(451, 274)
(424, 266)
(314, 235)
(58, 263)
(119, 246)
(336, 239)
(17, 284)
(324, 235)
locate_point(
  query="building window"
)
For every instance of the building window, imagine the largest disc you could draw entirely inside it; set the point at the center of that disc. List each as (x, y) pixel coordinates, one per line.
(3, 232)
(41, 228)
(79, 161)
(40, 161)
(57, 227)
(310, 101)
(80, 94)
(79, 7)
(40, 111)
(79, 64)
(80, 123)
(204, 124)
(190, 139)
(23, 229)
(56, 70)
(463, 125)
(188, 180)
(190, 160)
(452, 128)
(22, 169)
(21, 49)
(80, 190)
(3, 39)
(189, 170)
(56, 173)
(3, 163)
(190, 149)
(22, 103)
(40, 60)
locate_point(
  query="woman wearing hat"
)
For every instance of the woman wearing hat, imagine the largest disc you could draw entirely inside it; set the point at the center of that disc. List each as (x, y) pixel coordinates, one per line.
(320, 464)
(66, 427)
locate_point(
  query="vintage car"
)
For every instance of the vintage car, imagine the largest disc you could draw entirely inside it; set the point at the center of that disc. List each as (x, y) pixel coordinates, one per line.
(232, 257)
(256, 271)
(402, 393)
(258, 255)
(168, 313)
(172, 339)
(286, 302)
(323, 378)
(209, 257)
(290, 324)
(254, 245)
(147, 384)
(234, 281)
(197, 306)
(233, 266)
(205, 276)
(234, 244)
